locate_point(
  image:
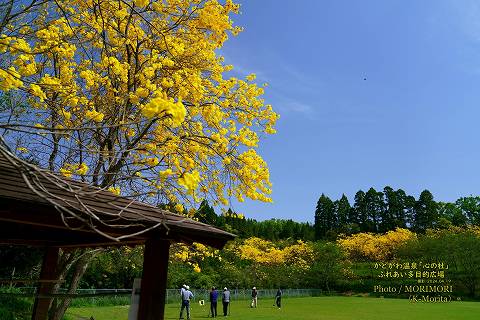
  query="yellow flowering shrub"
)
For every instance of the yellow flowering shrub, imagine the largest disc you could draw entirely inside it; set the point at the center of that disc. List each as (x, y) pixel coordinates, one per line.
(375, 246)
(300, 255)
(266, 252)
(192, 255)
(261, 251)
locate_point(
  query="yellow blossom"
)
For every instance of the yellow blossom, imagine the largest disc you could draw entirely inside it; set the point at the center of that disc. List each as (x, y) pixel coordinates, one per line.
(66, 172)
(189, 180)
(94, 115)
(67, 115)
(165, 174)
(10, 79)
(82, 169)
(130, 132)
(114, 190)
(152, 162)
(179, 208)
(142, 3)
(38, 92)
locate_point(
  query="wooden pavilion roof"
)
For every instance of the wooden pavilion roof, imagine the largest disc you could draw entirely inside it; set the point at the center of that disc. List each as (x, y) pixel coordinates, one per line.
(41, 208)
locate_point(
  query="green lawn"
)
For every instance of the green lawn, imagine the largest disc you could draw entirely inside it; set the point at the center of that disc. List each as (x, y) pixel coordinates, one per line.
(319, 308)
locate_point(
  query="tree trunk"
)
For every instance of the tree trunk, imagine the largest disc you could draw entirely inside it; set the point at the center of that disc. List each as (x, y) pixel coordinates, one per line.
(77, 262)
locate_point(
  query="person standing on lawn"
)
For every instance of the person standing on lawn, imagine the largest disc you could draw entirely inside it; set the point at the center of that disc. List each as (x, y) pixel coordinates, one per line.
(225, 300)
(186, 296)
(213, 302)
(182, 289)
(278, 298)
(254, 297)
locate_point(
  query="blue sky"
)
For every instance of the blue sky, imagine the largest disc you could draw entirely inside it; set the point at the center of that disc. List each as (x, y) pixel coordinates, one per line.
(412, 124)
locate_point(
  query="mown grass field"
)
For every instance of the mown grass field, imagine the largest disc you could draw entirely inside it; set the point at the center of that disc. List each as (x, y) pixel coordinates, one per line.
(318, 308)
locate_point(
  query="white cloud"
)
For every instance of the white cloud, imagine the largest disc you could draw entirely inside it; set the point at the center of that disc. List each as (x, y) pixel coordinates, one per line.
(299, 107)
(285, 106)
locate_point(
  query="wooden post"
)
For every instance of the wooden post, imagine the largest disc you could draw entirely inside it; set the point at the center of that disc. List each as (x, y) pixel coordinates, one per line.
(49, 270)
(154, 280)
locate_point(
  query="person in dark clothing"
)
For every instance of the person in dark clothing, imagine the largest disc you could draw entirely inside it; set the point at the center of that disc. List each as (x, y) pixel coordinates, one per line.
(213, 302)
(278, 298)
(254, 297)
(225, 300)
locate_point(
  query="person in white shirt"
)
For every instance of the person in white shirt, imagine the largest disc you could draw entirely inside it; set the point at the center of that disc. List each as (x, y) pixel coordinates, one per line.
(225, 300)
(186, 295)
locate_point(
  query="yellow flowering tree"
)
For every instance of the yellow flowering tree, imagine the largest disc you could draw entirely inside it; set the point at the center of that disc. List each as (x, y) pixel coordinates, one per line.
(273, 260)
(133, 96)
